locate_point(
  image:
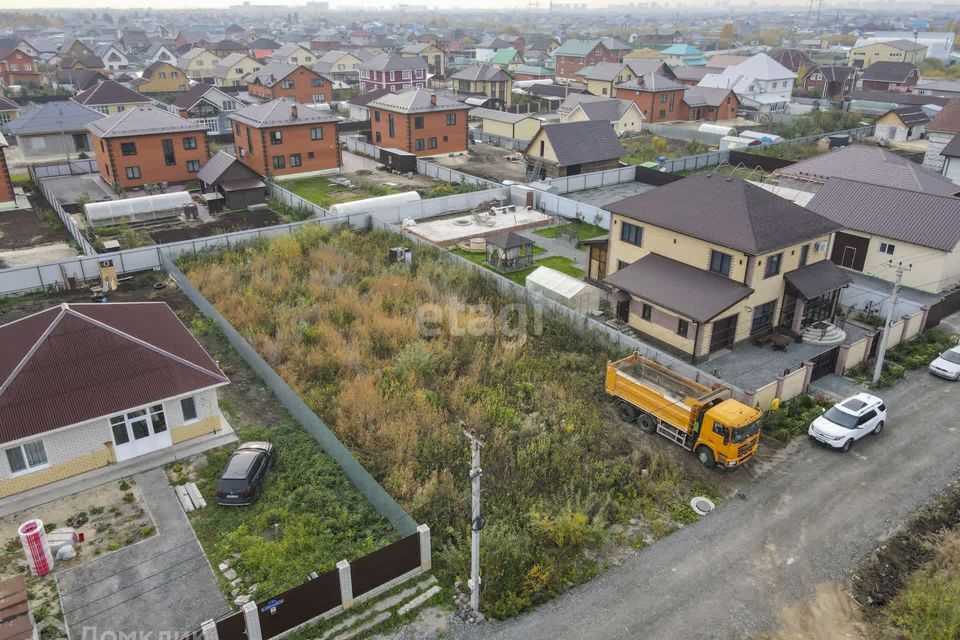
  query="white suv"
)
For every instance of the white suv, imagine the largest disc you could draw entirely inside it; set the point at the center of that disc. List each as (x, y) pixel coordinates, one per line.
(849, 420)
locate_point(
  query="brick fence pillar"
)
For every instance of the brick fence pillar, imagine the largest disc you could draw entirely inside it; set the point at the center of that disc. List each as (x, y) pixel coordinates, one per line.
(906, 328)
(346, 584)
(426, 561)
(842, 359)
(209, 629)
(808, 375)
(251, 618)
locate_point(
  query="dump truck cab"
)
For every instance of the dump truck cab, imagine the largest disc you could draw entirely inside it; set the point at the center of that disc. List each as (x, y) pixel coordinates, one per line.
(731, 431)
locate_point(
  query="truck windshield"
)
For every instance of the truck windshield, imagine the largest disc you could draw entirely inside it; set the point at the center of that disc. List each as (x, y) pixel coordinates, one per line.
(743, 433)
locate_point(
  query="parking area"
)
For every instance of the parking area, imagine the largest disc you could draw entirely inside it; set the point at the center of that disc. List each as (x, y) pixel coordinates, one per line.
(603, 196)
(162, 585)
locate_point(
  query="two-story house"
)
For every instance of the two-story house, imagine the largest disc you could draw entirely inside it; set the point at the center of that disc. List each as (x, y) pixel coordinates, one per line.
(709, 261)
(420, 122)
(828, 81)
(601, 79)
(162, 77)
(284, 138)
(110, 97)
(146, 145)
(113, 58)
(708, 103)
(232, 70)
(575, 54)
(342, 66)
(294, 54)
(393, 72)
(209, 106)
(199, 63)
(298, 82)
(435, 58)
(159, 52)
(484, 79)
(868, 51)
(761, 83)
(659, 98)
(18, 68)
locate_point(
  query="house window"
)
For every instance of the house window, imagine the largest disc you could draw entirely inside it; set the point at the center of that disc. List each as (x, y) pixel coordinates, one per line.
(419, 144)
(190, 143)
(418, 122)
(773, 266)
(432, 143)
(276, 137)
(451, 119)
(804, 254)
(174, 74)
(662, 114)
(376, 116)
(26, 457)
(682, 327)
(286, 84)
(646, 312)
(317, 97)
(162, 75)
(138, 424)
(193, 166)
(295, 160)
(316, 133)
(316, 82)
(169, 158)
(390, 128)
(278, 162)
(720, 262)
(377, 137)
(631, 233)
(887, 248)
(128, 148)
(230, 105)
(133, 173)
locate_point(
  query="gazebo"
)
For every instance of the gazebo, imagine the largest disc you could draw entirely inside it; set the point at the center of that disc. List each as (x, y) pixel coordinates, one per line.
(509, 252)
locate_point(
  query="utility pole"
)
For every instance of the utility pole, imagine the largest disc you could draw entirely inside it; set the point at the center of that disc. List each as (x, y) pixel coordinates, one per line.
(878, 368)
(476, 522)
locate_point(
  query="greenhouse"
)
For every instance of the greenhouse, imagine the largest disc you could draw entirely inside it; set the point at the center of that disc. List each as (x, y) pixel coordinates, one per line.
(157, 210)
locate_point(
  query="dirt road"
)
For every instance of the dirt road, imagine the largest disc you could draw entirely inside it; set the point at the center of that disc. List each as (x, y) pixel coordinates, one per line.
(804, 522)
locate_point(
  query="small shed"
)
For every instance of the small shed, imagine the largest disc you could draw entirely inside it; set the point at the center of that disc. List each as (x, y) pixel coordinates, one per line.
(239, 185)
(399, 160)
(565, 289)
(509, 251)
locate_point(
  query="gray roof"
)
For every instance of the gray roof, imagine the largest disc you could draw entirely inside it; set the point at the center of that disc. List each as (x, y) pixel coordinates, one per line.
(110, 92)
(220, 163)
(280, 112)
(872, 165)
(509, 240)
(651, 82)
(697, 294)
(582, 142)
(609, 110)
(393, 62)
(910, 216)
(141, 121)
(693, 74)
(911, 116)
(727, 211)
(481, 72)
(222, 68)
(885, 71)
(287, 50)
(500, 116)
(52, 117)
(705, 96)
(416, 101)
(603, 71)
(642, 67)
(272, 73)
(816, 279)
(952, 150)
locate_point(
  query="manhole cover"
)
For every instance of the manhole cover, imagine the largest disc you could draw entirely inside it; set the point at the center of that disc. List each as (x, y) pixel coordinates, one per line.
(702, 506)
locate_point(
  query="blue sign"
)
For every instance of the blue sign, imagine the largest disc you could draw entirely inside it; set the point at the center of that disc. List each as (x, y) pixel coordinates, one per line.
(273, 604)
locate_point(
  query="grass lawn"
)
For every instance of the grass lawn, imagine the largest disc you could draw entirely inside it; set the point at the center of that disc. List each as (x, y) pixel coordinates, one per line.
(566, 265)
(321, 191)
(582, 231)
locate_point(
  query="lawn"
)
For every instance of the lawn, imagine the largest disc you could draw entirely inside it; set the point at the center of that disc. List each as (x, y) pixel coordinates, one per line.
(580, 230)
(646, 148)
(566, 265)
(348, 331)
(325, 193)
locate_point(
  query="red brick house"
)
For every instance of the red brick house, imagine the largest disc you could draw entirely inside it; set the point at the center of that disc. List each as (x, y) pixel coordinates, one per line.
(282, 80)
(828, 81)
(708, 103)
(419, 122)
(286, 138)
(16, 67)
(890, 76)
(573, 55)
(146, 145)
(659, 98)
(392, 72)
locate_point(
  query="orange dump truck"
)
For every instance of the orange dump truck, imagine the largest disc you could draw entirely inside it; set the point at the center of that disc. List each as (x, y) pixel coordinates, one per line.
(704, 420)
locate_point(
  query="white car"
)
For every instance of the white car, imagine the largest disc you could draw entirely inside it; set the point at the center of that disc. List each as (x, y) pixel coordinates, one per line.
(947, 364)
(847, 421)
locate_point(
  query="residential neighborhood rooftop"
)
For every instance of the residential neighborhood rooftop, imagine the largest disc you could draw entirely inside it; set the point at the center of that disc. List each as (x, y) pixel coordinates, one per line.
(142, 121)
(416, 100)
(282, 111)
(109, 92)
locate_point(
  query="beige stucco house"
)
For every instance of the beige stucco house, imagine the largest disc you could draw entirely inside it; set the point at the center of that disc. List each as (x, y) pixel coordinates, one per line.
(624, 115)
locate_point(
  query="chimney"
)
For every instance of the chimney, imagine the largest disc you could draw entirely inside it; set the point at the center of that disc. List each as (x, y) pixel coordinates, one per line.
(293, 111)
(433, 99)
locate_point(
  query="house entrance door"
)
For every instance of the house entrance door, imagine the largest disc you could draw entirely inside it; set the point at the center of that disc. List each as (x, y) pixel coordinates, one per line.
(139, 432)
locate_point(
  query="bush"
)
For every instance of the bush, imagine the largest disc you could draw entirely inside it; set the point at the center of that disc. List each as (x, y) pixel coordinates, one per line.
(793, 417)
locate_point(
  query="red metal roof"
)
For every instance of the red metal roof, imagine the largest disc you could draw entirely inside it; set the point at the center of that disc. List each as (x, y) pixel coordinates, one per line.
(76, 362)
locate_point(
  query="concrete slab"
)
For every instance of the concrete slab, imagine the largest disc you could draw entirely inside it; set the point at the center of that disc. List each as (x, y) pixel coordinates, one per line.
(750, 367)
(603, 196)
(447, 232)
(162, 585)
(69, 189)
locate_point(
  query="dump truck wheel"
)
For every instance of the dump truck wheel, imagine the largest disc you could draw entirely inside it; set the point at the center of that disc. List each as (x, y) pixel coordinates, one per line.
(646, 423)
(705, 456)
(627, 412)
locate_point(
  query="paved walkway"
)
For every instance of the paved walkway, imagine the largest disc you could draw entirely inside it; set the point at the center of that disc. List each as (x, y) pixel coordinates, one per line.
(161, 585)
(558, 247)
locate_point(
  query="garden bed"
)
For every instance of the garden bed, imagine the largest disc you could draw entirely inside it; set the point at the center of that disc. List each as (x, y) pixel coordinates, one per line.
(793, 418)
(562, 482)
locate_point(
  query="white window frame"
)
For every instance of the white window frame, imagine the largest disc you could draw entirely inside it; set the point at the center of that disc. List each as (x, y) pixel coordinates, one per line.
(23, 452)
(128, 420)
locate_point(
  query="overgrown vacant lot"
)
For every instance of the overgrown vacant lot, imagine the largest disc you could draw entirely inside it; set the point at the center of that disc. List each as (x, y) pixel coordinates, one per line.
(564, 490)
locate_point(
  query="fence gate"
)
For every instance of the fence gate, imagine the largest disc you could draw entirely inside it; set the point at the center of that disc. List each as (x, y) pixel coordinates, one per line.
(825, 363)
(233, 627)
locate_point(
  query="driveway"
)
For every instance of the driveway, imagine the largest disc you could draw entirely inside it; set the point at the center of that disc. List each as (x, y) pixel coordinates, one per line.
(807, 520)
(161, 585)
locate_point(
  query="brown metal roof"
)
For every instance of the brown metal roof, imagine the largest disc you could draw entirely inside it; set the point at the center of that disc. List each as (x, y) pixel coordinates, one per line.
(952, 149)
(948, 120)
(693, 293)
(817, 279)
(727, 211)
(15, 621)
(77, 362)
(921, 218)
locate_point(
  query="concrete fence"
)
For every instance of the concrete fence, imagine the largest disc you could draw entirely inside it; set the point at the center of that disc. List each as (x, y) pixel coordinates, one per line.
(683, 133)
(572, 209)
(290, 199)
(356, 145)
(908, 327)
(796, 383)
(501, 141)
(446, 174)
(594, 180)
(67, 220)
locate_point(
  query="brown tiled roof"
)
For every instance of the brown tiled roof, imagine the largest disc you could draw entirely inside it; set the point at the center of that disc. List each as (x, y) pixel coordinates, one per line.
(887, 71)
(727, 211)
(109, 92)
(948, 120)
(77, 362)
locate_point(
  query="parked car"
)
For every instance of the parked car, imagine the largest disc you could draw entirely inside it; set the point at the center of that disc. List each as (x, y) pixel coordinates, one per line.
(947, 364)
(245, 475)
(849, 420)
